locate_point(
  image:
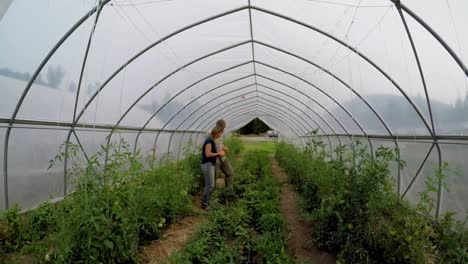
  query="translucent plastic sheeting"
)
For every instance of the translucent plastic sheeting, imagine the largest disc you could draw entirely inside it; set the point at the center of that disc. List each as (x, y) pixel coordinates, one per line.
(32, 184)
(168, 144)
(52, 95)
(280, 125)
(238, 123)
(93, 141)
(162, 144)
(346, 141)
(299, 104)
(448, 19)
(146, 142)
(456, 179)
(210, 114)
(286, 121)
(2, 176)
(414, 153)
(173, 86)
(369, 26)
(164, 59)
(26, 23)
(328, 99)
(183, 142)
(186, 143)
(316, 109)
(218, 107)
(189, 98)
(446, 83)
(322, 93)
(237, 94)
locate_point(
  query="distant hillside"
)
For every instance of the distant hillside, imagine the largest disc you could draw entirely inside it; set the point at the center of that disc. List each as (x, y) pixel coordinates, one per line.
(401, 117)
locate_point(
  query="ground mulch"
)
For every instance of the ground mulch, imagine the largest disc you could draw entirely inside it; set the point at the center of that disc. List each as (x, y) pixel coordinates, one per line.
(174, 236)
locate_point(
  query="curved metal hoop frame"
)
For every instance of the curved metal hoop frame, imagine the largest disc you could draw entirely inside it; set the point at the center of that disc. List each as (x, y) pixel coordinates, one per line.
(401, 7)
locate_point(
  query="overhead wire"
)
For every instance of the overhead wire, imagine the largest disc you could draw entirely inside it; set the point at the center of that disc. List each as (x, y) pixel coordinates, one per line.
(362, 39)
(335, 53)
(348, 5)
(452, 20)
(146, 3)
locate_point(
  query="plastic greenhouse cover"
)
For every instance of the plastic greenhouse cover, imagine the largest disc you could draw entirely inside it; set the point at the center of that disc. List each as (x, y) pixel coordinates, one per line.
(354, 67)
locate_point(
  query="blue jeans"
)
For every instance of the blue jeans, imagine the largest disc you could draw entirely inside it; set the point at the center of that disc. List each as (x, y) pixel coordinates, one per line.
(208, 170)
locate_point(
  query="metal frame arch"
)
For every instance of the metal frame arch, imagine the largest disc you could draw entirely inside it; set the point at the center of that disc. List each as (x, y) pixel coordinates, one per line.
(273, 116)
(204, 124)
(420, 21)
(354, 50)
(289, 110)
(326, 110)
(154, 44)
(286, 117)
(305, 95)
(319, 89)
(83, 66)
(200, 116)
(273, 105)
(434, 34)
(240, 122)
(273, 14)
(198, 97)
(167, 122)
(176, 71)
(31, 81)
(284, 101)
(334, 77)
(104, 2)
(172, 134)
(227, 70)
(300, 110)
(183, 121)
(418, 63)
(229, 119)
(256, 111)
(168, 76)
(193, 100)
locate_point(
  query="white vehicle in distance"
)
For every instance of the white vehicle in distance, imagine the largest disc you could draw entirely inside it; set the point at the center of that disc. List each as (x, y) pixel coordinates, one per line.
(272, 133)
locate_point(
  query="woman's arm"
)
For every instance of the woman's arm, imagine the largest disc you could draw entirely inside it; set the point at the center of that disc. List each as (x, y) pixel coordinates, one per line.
(210, 154)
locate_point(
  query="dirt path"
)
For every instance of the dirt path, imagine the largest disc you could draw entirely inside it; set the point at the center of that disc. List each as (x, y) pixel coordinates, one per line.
(299, 229)
(174, 237)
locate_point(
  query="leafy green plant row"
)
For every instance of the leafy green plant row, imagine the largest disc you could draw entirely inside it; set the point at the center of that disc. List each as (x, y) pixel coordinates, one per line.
(113, 209)
(235, 146)
(245, 224)
(358, 215)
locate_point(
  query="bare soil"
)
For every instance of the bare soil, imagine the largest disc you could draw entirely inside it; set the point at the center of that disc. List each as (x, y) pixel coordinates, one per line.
(175, 236)
(299, 230)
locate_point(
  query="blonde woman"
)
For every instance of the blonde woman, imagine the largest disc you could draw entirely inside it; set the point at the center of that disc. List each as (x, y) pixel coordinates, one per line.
(208, 163)
(223, 163)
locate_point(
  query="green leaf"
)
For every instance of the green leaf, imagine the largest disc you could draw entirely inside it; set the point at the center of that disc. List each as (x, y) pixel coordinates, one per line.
(108, 244)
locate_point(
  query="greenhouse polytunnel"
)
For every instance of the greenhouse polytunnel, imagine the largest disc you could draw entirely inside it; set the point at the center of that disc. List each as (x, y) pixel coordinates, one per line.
(159, 73)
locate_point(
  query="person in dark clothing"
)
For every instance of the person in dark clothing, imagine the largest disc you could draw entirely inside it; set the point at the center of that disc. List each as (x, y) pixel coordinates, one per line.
(208, 163)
